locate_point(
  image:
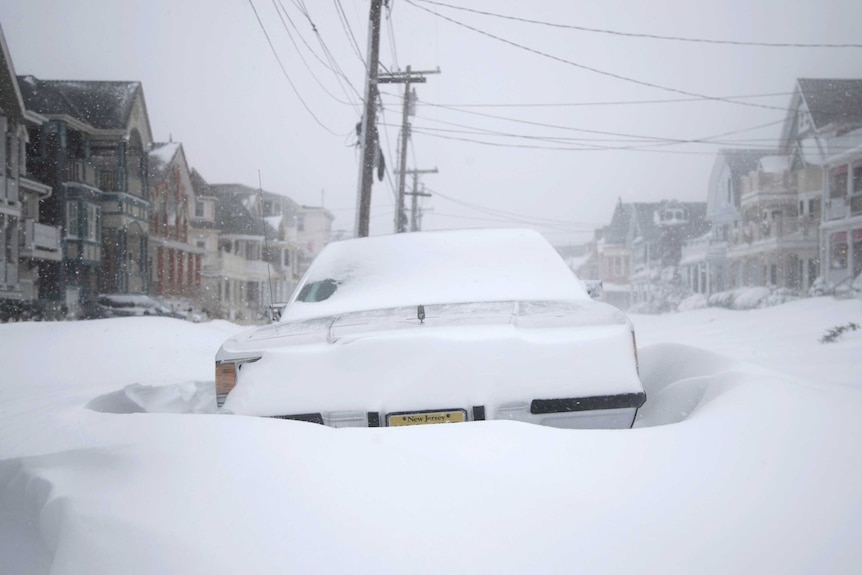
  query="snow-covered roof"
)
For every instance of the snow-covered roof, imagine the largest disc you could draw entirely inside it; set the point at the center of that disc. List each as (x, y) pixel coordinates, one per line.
(164, 151)
(160, 157)
(774, 164)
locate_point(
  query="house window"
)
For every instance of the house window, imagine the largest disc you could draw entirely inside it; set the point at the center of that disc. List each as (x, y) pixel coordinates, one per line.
(857, 179)
(838, 182)
(92, 223)
(838, 250)
(72, 221)
(801, 207)
(199, 209)
(300, 223)
(286, 258)
(814, 206)
(201, 244)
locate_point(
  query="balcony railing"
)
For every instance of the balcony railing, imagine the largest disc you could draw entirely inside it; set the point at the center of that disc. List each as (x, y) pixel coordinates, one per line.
(80, 171)
(256, 268)
(762, 184)
(835, 208)
(109, 181)
(774, 229)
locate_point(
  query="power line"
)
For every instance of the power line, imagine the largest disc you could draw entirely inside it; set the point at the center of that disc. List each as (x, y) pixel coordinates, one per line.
(640, 137)
(642, 35)
(499, 212)
(517, 221)
(590, 68)
(330, 63)
(391, 36)
(284, 71)
(349, 31)
(599, 103)
(276, 4)
(562, 148)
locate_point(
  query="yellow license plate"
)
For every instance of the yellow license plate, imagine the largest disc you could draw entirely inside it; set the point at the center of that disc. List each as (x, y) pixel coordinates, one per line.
(426, 417)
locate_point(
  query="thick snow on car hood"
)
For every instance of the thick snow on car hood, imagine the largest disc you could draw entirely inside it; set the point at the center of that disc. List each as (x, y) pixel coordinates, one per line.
(438, 267)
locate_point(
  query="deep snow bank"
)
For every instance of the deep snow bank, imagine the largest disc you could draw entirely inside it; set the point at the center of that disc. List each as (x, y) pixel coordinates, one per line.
(733, 467)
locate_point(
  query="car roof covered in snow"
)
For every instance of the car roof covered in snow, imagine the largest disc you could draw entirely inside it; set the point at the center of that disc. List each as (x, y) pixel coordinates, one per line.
(432, 268)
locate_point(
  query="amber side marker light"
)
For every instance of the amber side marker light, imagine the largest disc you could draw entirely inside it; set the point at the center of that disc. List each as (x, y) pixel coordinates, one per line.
(225, 380)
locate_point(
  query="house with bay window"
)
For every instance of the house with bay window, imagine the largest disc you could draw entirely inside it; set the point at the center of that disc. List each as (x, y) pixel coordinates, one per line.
(704, 264)
(841, 227)
(25, 241)
(175, 264)
(93, 151)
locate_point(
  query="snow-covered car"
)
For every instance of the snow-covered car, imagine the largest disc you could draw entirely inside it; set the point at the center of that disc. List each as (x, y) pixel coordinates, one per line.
(125, 305)
(437, 327)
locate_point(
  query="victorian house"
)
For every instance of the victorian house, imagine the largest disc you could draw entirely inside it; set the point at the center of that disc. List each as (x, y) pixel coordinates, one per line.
(837, 117)
(658, 232)
(613, 256)
(704, 264)
(175, 264)
(781, 205)
(92, 151)
(25, 241)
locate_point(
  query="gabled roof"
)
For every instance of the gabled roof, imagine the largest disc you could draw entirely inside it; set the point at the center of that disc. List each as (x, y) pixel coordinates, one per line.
(103, 105)
(11, 101)
(832, 100)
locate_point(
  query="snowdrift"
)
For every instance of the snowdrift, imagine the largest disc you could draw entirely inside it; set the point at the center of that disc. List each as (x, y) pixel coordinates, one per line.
(733, 466)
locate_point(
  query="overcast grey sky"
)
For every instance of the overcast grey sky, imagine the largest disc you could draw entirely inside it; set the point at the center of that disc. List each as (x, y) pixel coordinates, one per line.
(211, 82)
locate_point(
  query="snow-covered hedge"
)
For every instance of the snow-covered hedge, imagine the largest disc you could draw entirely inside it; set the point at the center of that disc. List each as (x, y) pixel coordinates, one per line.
(740, 299)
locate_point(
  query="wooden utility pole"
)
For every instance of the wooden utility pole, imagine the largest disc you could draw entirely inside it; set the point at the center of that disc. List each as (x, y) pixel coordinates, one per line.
(368, 134)
(415, 195)
(407, 78)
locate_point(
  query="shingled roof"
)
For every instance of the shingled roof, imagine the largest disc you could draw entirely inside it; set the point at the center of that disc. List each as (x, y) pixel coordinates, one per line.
(832, 101)
(232, 214)
(103, 105)
(616, 233)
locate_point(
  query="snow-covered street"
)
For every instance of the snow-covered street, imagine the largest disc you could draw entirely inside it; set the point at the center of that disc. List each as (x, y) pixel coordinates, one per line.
(746, 458)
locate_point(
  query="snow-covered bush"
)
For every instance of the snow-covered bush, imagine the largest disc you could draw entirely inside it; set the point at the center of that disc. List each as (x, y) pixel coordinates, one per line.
(695, 301)
(721, 299)
(750, 298)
